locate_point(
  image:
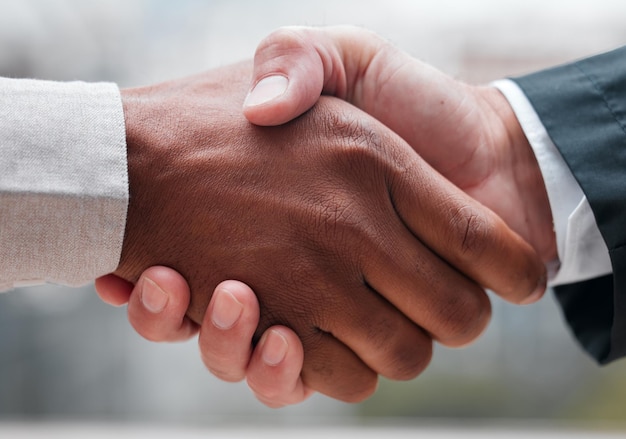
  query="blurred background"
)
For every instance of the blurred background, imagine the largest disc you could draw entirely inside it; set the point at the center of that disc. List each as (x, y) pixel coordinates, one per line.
(65, 356)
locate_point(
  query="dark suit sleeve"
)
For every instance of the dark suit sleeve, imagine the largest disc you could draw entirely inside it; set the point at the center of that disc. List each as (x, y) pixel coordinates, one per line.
(583, 107)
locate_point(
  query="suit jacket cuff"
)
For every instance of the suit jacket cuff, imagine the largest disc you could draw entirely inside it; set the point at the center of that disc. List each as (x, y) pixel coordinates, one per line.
(583, 107)
(582, 253)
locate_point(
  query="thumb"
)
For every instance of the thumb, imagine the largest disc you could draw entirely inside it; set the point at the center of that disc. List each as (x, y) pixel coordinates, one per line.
(292, 67)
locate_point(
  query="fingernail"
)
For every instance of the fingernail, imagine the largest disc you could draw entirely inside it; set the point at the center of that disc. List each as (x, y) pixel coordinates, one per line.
(153, 297)
(266, 89)
(274, 348)
(226, 310)
(538, 293)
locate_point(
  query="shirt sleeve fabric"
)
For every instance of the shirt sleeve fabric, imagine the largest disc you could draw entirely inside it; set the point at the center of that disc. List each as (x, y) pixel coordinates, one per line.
(64, 181)
(582, 252)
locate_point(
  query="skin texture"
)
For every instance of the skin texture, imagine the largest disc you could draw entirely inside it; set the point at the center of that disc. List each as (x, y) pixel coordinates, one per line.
(467, 133)
(345, 235)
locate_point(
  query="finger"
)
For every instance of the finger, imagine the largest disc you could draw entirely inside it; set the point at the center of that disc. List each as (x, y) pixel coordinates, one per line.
(158, 304)
(294, 65)
(466, 234)
(227, 330)
(389, 343)
(290, 73)
(453, 309)
(113, 289)
(336, 371)
(273, 374)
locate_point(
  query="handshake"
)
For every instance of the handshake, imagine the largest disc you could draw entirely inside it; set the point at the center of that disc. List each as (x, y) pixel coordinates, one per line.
(362, 200)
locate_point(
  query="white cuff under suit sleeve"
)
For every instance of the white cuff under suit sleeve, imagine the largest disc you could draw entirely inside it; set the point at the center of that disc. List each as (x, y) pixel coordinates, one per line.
(63, 181)
(582, 251)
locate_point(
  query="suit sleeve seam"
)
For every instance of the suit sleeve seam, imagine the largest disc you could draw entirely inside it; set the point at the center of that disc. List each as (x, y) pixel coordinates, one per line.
(600, 91)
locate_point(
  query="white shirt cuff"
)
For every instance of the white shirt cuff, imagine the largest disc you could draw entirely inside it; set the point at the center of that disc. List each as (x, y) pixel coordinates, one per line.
(64, 181)
(582, 252)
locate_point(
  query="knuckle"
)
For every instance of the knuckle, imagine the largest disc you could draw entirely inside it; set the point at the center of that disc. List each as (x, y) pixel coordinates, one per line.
(407, 363)
(344, 378)
(359, 135)
(356, 138)
(363, 146)
(360, 391)
(405, 350)
(405, 360)
(463, 318)
(472, 231)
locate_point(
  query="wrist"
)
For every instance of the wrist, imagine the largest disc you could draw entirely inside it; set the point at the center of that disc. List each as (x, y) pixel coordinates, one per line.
(137, 145)
(526, 173)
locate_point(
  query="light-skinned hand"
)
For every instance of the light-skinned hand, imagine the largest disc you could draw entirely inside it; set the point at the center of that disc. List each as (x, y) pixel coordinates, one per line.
(156, 309)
